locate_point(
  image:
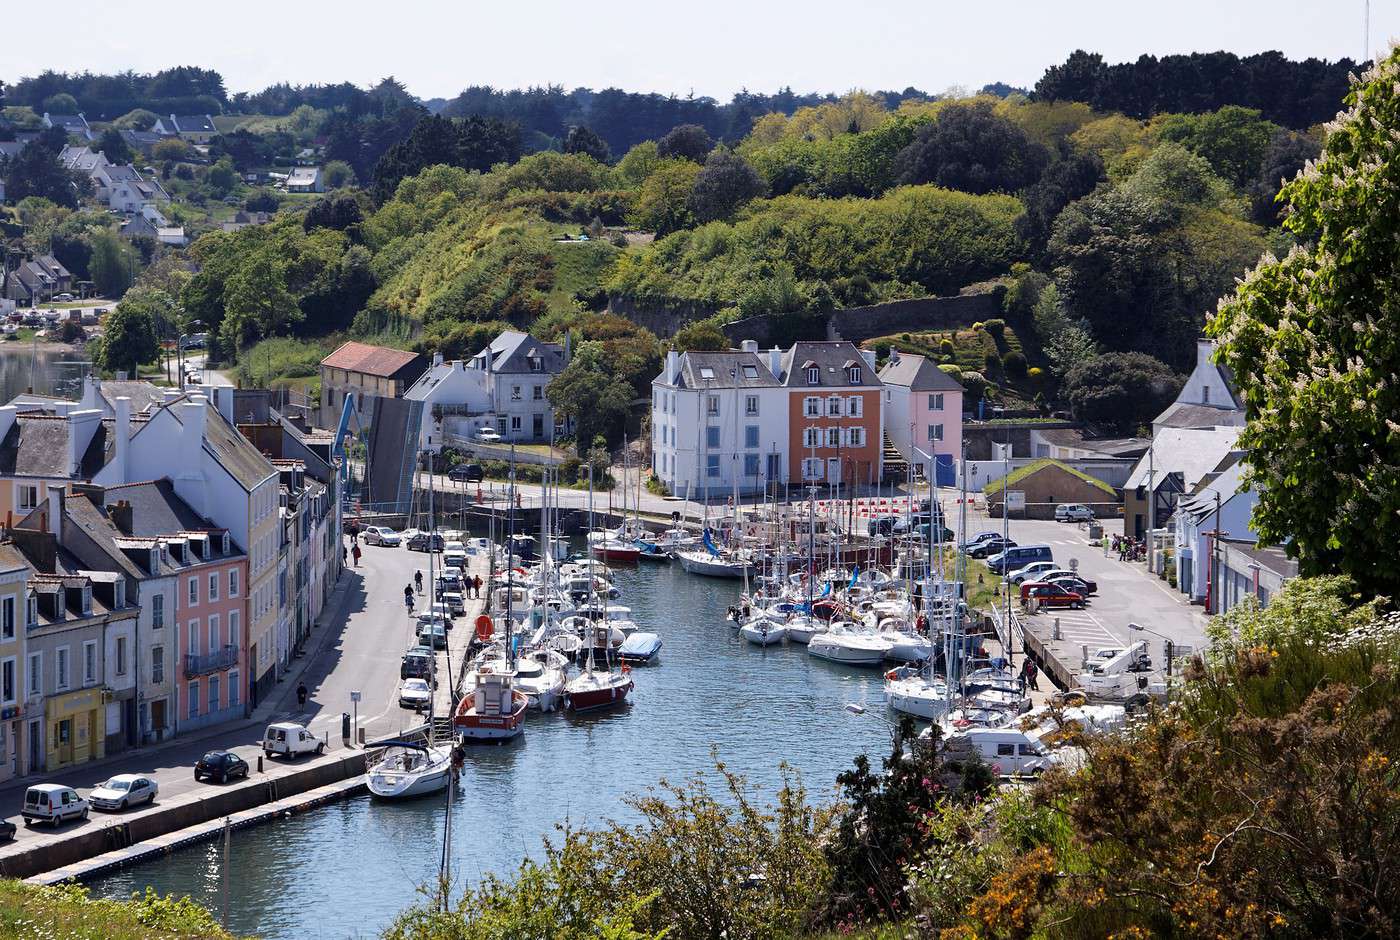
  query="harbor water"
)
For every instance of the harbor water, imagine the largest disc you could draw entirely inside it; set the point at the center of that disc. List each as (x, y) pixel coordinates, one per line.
(348, 869)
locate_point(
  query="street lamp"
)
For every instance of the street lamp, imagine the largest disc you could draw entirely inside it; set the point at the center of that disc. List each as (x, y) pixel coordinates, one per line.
(1169, 645)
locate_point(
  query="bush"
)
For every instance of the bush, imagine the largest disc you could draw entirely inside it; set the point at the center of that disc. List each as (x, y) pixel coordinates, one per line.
(1014, 364)
(952, 370)
(947, 348)
(993, 363)
(997, 328)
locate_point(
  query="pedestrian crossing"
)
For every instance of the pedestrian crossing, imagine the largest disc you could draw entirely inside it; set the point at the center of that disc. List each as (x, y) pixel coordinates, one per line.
(1080, 627)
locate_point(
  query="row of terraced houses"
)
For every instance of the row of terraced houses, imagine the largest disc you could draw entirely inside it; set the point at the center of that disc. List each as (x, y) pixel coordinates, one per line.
(160, 564)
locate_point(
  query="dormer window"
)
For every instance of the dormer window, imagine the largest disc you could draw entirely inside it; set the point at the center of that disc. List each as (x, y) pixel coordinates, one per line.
(536, 364)
(87, 599)
(225, 544)
(814, 376)
(853, 373)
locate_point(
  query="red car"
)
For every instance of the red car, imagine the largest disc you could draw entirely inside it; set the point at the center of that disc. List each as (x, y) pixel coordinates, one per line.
(1051, 595)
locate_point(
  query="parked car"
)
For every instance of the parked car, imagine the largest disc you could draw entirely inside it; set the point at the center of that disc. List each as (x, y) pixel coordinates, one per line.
(454, 558)
(466, 473)
(1015, 557)
(992, 546)
(487, 436)
(1073, 582)
(63, 298)
(290, 740)
(420, 662)
(978, 539)
(420, 542)
(1052, 595)
(123, 791)
(456, 603)
(1031, 572)
(1008, 751)
(7, 830)
(415, 694)
(52, 803)
(381, 535)
(449, 580)
(433, 634)
(222, 766)
(1073, 512)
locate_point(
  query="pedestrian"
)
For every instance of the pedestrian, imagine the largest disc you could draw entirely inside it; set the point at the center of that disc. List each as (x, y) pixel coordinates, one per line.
(355, 553)
(1031, 674)
(476, 586)
(301, 695)
(344, 555)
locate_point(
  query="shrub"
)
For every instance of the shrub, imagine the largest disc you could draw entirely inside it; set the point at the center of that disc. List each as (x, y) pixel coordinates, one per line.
(997, 328)
(951, 369)
(977, 327)
(1014, 364)
(947, 348)
(992, 362)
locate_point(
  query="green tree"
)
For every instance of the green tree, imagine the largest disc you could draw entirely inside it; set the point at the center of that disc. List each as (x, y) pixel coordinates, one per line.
(36, 171)
(685, 142)
(582, 140)
(338, 173)
(1311, 339)
(256, 301)
(725, 184)
(663, 203)
(1120, 391)
(137, 119)
(700, 336)
(111, 145)
(61, 103)
(1288, 153)
(129, 337)
(590, 392)
(972, 149)
(1233, 140)
(638, 163)
(112, 264)
(171, 148)
(222, 178)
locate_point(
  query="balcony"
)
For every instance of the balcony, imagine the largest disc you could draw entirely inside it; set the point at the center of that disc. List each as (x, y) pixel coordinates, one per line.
(210, 662)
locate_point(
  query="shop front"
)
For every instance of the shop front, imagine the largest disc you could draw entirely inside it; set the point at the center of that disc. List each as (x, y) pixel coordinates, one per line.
(76, 724)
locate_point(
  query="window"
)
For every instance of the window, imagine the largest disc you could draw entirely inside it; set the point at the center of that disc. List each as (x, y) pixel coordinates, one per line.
(814, 375)
(712, 405)
(233, 583)
(853, 374)
(751, 465)
(233, 628)
(750, 404)
(89, 663)
(121, 655)
(833, 437)
(712, 437)
(194, 699)
(857, 437)
(233, 689)
(833, 407)
(194, 592)
(811, 437)
(1006, 750)
(87, 599)
(515, 393)
(192, 637)
(712, 465)
(1205, 394)
(536, 364)
(935, 432)
(855, 406)
(750, 372)
(7, 681)
(538, 393)
(811, 407)
(157, 664)
(213, 633)
(214, 586)
(213, 694)
(26, 495)
(751, 435)
(61, 670)
(7, 618)
(811, 468)
(707, 373)
(935, 402)
(36, 674)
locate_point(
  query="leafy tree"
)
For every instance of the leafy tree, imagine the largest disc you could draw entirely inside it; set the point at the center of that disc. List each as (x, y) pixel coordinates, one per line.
(337, 211)
(582, 140)
(1288, 153)
(112, 264)
(590, 392)
(700, 336)
(221, 178)
(1233, 140)
(1120, 391)
(638, 163)
(129, 337)
(262, 200)
(61, 103)
(685, 142)
(474, 143)
(137, 119)
(1064, 181)
(36, 171)
(114, 147)
(1312, 343)
(338, 173)
(171, 148)
(663, 203)
(256, 301)
(970, 148)
(723, 186)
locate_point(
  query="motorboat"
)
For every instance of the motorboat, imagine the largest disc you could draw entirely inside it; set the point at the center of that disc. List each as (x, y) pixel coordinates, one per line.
(764, 630)
(640, 648)
(906, 644)
(849, 643)
(674, 539)
(802, 628)
(408, 768)
(494, 710)
(540, 676)
(911, 691)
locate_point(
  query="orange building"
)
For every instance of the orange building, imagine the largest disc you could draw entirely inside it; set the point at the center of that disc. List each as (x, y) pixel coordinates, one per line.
(834, 416)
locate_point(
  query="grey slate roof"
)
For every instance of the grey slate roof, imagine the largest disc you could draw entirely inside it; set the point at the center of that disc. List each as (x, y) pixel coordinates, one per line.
(918, 374)
(156, 509)
(1188, 415)
(37, 446)
(832, 358)
(729, 369)
(511, 351)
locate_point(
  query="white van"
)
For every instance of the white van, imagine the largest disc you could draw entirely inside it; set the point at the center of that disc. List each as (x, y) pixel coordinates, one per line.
(290, 740)
(53, 803)
(1009, 751)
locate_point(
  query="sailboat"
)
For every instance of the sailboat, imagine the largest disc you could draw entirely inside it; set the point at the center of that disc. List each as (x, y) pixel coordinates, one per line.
(408, 768)
(593, 689)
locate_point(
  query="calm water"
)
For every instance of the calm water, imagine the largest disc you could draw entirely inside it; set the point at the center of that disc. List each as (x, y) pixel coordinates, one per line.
(346, 870)
(49, 372)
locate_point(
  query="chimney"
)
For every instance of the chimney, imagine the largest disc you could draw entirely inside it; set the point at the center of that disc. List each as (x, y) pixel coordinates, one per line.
(673, 366)
(121, 516)
(437, 359)
(749, 346)
(122, 431)
(459, 365)
(1204, 349)
(7, 419)
(55, 511)
(775, 362)
(192, 417)
(82, 424)
(869, 356)
(223, 400)
(171, 394)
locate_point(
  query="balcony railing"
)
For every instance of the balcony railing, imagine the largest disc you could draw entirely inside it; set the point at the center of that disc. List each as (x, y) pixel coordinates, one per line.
(210, 662)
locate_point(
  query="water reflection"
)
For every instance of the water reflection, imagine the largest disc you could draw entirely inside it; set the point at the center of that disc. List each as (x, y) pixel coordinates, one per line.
(45, 370)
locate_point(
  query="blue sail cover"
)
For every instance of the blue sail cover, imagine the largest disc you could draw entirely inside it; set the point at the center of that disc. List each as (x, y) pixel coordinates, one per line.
(710, 543)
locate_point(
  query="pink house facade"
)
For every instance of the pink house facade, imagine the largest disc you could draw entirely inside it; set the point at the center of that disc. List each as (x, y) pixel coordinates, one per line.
(923, 410)
(212, 639)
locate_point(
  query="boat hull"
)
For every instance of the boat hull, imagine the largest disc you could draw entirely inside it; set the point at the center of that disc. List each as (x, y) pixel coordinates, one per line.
(917, 698)
(592, 699)
(845, 654)
(712, 567)
(472, 727)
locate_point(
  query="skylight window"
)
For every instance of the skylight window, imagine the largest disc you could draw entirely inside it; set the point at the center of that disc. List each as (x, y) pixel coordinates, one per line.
(706, 372)
(750, 372)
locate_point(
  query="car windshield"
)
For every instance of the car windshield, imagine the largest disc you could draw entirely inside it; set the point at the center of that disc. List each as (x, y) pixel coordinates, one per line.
(115, 784)
(415, 685)
(213, 757)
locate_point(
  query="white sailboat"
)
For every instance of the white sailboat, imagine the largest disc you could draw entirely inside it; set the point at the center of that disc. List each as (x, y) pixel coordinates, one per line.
(849, 643)
(408, 768)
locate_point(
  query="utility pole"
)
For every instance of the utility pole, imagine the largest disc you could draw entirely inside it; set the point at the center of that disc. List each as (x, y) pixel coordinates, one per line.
(1151, 506)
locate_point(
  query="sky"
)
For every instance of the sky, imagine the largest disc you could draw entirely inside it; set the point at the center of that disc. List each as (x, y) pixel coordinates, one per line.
(438, 47)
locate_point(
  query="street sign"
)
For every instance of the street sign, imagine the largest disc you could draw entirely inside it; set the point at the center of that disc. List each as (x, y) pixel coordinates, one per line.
(354, 696)
(1016, 500)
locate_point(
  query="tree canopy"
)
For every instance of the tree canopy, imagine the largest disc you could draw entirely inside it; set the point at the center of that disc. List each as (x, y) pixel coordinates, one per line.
(968, 147)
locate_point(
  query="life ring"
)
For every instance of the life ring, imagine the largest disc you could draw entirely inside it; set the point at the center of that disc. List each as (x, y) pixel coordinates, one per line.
(961, 723)
(484, 628)
(892, 674)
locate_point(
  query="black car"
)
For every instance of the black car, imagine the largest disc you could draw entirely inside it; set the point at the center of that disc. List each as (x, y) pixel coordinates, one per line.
(466, 473)
(420, 541)
(222, 766)
(7, 830)
(991, 546)
(1076, 583)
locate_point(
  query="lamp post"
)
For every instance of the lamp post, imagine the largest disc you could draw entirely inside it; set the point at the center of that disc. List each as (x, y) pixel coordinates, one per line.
(1168, 646)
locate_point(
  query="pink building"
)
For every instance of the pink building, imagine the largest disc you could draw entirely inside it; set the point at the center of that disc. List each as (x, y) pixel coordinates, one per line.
(924, 410)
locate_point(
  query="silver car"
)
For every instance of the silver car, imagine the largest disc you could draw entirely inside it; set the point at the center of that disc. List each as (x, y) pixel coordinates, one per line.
(1073, 512)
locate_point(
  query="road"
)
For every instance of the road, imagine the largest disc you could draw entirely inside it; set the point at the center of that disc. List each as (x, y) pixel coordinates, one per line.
(358, 648)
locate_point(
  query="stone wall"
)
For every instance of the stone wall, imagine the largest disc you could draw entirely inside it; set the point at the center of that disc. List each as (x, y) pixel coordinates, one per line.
(663, 317)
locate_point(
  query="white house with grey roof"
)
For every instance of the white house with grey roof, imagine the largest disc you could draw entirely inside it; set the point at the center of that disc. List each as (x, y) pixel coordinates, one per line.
(501, 387)
(720, 422)
(1209, 398)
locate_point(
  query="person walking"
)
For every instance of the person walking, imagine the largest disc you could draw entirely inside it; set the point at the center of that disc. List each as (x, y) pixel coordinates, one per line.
(355, 553)
(301, 695)
(476, 586)
(1031, 674)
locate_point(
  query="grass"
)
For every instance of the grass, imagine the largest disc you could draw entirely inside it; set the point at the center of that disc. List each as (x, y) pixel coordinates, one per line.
(70, 912)
(579, 268)
(1020, 473)
(281, 358)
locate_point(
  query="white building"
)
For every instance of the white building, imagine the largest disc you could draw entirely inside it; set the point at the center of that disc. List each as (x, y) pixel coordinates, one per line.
(1207, 400)
(501, 387)
(306, 179)
(720, 421)
(1219, 509)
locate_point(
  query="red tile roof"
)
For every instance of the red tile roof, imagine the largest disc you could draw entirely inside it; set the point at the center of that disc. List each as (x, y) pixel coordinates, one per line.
(371, 360)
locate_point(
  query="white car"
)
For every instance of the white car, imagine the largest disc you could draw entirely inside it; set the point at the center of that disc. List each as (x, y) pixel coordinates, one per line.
(415, 694)
(290, 740)
(1073, 512)
(487, 436)
(52, 803)
(123, 791)
(381, 535)
(1031, 572)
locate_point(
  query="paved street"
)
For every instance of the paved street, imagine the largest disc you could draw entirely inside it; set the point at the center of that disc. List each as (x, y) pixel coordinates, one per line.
(357, 648)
